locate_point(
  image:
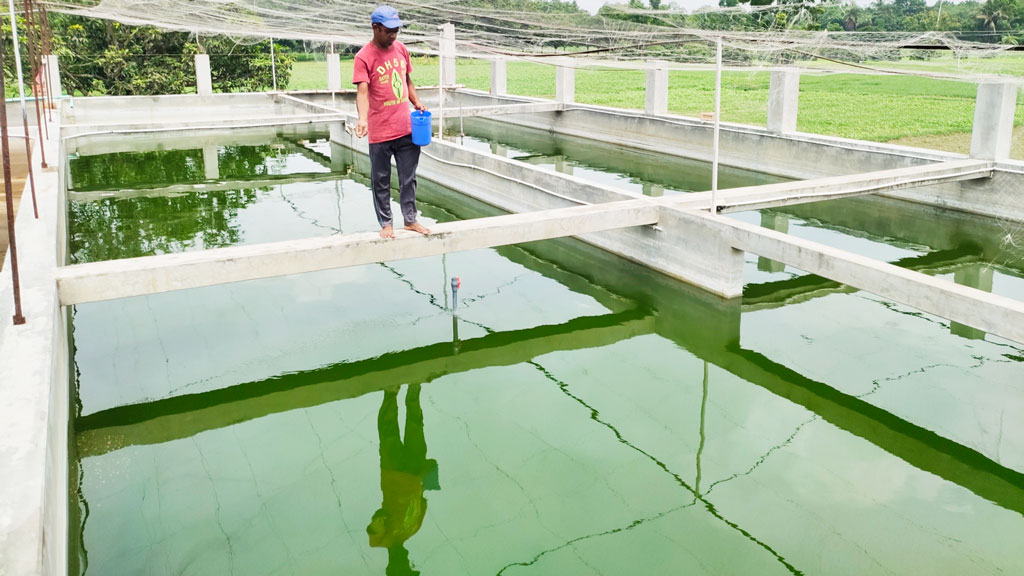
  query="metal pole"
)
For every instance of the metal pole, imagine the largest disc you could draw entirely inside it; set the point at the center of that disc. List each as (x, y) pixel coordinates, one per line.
(9, 195)
(32, 37)
(24, 108)
(273, 66)
(718, 114)
(440, 85)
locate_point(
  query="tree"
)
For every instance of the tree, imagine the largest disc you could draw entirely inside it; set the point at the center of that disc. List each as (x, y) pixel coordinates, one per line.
(853, 16)
(992, 12)
(107, 57)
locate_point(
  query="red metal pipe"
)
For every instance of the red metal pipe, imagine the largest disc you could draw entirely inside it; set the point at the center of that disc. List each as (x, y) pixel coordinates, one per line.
(31, 37)
(9, 195)
(45, 31)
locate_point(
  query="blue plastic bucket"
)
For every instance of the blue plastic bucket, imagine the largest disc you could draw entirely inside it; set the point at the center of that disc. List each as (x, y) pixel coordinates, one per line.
(421, 127)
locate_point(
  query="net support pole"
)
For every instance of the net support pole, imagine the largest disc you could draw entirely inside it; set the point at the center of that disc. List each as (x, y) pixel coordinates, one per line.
(446, 69)
(273, 65)
(656, 90)
(24, 108)
(53, 83)
(565, 84)
(204, 78)
(718, 120)
(783, 100)
(499, 76)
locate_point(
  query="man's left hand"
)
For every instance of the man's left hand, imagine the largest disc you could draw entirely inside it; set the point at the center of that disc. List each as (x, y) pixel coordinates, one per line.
(419, 106)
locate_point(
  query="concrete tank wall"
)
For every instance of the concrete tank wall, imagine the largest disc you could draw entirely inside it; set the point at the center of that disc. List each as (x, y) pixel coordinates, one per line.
(798, 156)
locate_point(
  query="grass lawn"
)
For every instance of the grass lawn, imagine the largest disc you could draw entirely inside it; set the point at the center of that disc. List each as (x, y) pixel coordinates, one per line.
(913, 110)
(1007, 63)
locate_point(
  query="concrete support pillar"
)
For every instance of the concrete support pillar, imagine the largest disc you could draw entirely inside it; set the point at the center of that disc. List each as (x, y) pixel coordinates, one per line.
(686, 247)
(53, 69)
(993, 120)
(653, 190)
(499, 150)
(779, 223)
(565, 84)
(656, 92)
(561, 166)
(447, 54)
(977, 275)
(783, 98)
(336, 132)
(341, 158)
(499, 76)
(204, 81)
(211, 162)
(333, 72)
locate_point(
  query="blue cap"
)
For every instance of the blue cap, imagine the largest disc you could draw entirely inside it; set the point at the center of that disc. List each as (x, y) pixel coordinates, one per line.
(386, 16)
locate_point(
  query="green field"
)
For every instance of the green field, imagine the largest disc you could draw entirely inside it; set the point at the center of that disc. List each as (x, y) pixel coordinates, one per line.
(912, 110)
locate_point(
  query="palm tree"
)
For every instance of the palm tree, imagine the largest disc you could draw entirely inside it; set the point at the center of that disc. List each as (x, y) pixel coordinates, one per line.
(990, 13)
(852, 17)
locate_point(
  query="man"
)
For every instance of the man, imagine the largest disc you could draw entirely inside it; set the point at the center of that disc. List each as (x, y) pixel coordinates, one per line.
(384, 90)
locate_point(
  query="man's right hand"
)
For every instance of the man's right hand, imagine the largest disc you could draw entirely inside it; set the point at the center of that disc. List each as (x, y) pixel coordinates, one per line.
(361, 128)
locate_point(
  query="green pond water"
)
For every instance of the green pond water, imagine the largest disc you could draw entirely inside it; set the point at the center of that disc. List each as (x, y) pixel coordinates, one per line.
(577, 415)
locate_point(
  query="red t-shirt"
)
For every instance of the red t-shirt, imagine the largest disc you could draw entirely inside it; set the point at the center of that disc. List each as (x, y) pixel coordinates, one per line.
(385, 71)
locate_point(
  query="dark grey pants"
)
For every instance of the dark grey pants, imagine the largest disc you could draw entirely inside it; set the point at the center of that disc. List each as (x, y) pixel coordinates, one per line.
(407, 157)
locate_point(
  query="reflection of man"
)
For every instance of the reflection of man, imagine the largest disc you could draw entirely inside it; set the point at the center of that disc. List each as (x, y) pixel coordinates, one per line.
(382, 73)
(405, 472)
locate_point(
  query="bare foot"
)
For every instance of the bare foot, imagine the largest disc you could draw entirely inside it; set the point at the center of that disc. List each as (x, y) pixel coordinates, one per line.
(387, 232)
(417, 227)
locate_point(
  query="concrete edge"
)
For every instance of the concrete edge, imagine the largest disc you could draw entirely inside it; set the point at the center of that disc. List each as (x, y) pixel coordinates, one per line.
(33, 356)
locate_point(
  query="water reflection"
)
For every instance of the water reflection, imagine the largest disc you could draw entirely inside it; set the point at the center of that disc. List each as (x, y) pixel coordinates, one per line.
(978, 275)
(642, 172)
(405, 472)
(534, 429)
(779, 223)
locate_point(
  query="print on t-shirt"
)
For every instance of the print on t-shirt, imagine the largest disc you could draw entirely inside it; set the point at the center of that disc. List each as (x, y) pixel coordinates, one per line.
(396, 84)
(393, 72)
